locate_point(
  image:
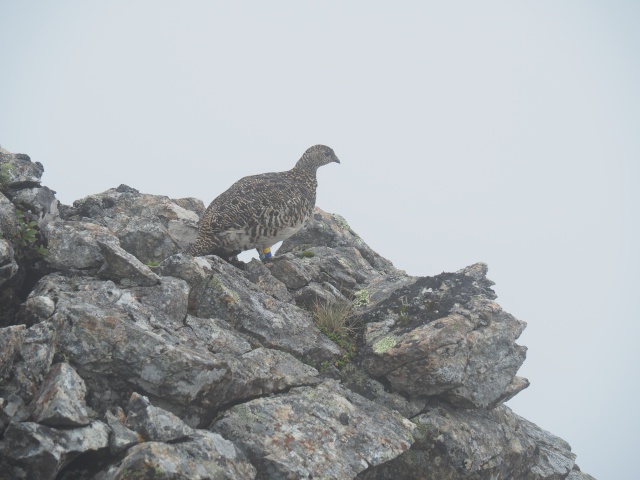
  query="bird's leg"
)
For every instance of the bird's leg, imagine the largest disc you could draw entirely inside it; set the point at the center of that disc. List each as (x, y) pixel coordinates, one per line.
(264, 254)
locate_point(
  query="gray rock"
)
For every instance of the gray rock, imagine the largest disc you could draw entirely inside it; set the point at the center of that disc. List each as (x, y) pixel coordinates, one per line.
(29, 354)
(150, 227)
(38, 308)
(12, 409)
(333, 231)
(119, 344)
(11, 339)
(261, 275)
(230, 296)
(120, 437)
(122, 267)
(217, 335)
(30, 450)
(203, 456)
(7, 217)
(40, 201)
(577, 474)
(326, 431)
(444, 336)
(220, 290)
(60, 401)
(8, 265)
(453, 444)
(74, 245)
(152, 423)
(19, 171)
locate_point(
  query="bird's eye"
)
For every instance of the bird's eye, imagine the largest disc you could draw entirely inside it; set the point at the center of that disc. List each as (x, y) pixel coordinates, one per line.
(327, 154)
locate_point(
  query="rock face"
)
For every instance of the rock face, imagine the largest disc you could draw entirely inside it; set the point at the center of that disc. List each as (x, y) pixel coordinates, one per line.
(123, 357)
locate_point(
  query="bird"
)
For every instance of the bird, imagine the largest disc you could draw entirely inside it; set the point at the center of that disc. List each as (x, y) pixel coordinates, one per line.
(259, 211)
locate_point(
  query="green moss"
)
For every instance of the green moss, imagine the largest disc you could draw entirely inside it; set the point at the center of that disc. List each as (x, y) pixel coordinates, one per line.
(308, 254)
(342, 223)
(383, 345)
(361, 298)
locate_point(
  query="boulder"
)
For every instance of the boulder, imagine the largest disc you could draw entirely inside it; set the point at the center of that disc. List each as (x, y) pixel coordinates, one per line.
(60, 401)
(203, 456)
(154, 424)
(315, 432)
(458, 444)
(30, 450)
(150, 227)
(445, 336)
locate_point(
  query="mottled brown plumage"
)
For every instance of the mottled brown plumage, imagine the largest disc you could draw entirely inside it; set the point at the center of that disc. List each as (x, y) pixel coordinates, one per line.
(261, 210)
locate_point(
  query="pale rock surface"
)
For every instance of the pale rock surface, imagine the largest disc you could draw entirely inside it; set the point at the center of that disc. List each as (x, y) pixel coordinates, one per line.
(122, 267)
(204, 456)
(60, 401)
(30, 450)
(460, 444)
(323, 431)
(152, 423)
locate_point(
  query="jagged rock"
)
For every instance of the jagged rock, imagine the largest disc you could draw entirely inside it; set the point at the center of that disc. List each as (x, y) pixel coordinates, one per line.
(204, 456)
(444, 336)
(40, 201)
(152, 423)
(11, 339)
(12, 409)
(38, 309)
(8, 228)
(120, 437)
(261, 275)
(456, 444)
(8, 265)
(217, 335)
(29, 355)
(223, 291)
(19, 171)
(150, 227)
(7, 217)
(120, 342)
(74, 245)
(326, 431)
(122, 267)
(294, 275)
(60, 400)
(331, 230)
(30, 450)
(577, 474)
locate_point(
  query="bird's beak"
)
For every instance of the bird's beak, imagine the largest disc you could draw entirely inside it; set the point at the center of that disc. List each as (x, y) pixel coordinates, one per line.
(335, 159)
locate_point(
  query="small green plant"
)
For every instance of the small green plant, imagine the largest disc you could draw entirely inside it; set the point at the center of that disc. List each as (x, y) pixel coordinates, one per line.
(361, 298)
(308, 254)
(26, 234)
(335, 320)
(153, 263)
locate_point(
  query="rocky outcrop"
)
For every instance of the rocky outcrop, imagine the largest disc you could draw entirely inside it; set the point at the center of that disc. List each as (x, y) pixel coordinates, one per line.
(123, 357)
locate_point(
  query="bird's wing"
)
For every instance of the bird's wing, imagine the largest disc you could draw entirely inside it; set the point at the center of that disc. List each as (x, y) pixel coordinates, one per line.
(237, 208)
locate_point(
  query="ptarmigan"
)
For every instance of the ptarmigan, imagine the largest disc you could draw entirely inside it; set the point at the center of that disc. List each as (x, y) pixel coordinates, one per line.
(261, 210)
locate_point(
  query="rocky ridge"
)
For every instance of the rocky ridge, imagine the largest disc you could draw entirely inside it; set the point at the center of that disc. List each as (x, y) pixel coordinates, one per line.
(122, 357)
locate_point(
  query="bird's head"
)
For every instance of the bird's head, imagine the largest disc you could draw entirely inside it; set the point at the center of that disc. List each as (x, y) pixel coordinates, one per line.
(315, 157)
